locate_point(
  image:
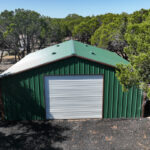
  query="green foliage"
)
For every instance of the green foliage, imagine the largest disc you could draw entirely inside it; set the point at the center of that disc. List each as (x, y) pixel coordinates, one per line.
(138, 52)
(110, 35)
(127, 75)
(139, 16)
(138, 38)
(24, 30)
(85, 29)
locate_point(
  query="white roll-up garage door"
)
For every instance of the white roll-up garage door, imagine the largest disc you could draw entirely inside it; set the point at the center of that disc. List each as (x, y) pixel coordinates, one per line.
(73, 97)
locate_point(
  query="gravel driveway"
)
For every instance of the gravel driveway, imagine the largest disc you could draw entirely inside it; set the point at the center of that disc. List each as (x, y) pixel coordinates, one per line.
(93, 134)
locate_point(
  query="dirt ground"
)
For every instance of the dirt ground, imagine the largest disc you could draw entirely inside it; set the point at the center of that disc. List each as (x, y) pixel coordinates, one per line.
(93, 134)
(7, 62)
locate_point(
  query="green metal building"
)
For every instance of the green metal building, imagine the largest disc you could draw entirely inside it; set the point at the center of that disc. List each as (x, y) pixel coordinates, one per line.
(70, 80)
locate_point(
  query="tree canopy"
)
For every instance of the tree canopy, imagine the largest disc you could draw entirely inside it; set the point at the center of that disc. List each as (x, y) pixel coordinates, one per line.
(138, 52)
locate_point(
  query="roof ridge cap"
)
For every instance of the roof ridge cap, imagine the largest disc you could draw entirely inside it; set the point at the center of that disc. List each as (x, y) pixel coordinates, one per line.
(73, 48)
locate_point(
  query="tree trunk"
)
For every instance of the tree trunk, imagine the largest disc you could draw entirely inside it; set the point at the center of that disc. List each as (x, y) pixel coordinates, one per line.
(18, 56)
(2, 56)
(15, 57)
(28, 45)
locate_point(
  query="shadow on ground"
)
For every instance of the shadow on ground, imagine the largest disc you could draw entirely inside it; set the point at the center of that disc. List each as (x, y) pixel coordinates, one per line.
(92, 134)
(31, 135)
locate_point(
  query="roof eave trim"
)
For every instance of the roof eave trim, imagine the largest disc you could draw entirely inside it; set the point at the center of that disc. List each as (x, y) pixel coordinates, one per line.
(95, 61)
(7, 75)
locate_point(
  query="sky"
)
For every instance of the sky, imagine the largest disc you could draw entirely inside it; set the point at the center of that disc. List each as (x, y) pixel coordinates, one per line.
(61, 8)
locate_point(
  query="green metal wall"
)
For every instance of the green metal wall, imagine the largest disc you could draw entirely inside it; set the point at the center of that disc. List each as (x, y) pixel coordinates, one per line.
(23, 94)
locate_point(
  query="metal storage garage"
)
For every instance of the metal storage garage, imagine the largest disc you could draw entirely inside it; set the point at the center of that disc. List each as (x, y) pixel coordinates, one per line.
(70, 80)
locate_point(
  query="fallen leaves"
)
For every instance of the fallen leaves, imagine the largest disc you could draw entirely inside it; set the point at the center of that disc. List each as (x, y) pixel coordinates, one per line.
(143, 146)
(108, 138)
(114, 127)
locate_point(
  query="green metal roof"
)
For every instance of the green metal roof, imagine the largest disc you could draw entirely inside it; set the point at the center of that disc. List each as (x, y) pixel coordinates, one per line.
(64, 50)
(98, 54)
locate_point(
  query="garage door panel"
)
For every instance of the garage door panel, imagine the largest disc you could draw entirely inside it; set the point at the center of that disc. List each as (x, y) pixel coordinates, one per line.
(69, 95)
(69, 98)
(74, 91)
(71, 103)
(85, 108)
(75, 111)
(75, 86)
(79, 108)
(76, 96)
(78, 115)
(68, 103)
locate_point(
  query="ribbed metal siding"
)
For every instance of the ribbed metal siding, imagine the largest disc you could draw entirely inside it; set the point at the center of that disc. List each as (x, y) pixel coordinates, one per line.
(23, 94)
